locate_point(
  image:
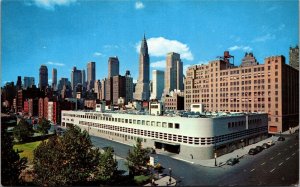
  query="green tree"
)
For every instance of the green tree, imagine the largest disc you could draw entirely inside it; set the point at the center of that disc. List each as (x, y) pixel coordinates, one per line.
(66, 160)
(107, 171)
(23, 130)
(11, 163)
(137, 159)
(43, 126)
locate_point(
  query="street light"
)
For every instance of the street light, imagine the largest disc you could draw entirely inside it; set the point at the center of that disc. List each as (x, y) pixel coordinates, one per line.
(215, 154)
(170, 173)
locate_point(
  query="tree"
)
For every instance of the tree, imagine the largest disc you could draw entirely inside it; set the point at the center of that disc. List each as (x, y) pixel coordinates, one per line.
(23, 130)
(107, 171)
(138, 159)
(43, 126)
(11, 163)
(66, 160)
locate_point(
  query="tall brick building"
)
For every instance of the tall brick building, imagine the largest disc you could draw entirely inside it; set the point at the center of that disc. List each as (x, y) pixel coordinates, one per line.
(272, 87)
(294, 57)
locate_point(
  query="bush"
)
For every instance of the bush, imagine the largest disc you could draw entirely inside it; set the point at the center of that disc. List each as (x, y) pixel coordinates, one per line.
(141, 179)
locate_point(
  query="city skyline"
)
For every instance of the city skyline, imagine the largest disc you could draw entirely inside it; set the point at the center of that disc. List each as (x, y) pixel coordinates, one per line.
(32, 31)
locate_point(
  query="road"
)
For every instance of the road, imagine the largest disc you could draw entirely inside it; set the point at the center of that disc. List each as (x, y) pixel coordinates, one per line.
(276, 166)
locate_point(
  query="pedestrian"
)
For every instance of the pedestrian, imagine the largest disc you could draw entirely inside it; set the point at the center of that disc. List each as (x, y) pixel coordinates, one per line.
(192, 156)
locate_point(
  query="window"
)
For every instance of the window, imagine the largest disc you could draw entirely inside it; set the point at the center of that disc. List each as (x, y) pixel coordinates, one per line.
(170, 125)
(158, 124)
(177, 126)
(164, 124)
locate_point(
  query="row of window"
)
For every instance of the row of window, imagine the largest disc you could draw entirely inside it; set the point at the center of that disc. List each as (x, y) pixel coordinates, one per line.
(243, 123)
(178, 138)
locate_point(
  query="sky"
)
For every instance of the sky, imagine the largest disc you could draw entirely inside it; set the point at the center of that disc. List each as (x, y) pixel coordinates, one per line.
(65, 33)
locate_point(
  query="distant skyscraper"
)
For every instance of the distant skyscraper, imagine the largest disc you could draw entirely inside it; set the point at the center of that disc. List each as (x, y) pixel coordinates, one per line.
(158, 84)
(75, 78)
(294, 57)
(54, 78)
(129, 87)
(97, 88)
(91, 75)
(28, 82)
(174, 73)
(83, 79)
(113, 66)
(103, 88)
(142, 91)
(43, 77)
(19, 82)
(249, 60)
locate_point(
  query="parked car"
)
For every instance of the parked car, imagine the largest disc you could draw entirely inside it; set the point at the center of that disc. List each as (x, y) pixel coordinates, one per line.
(252, 151)
(232, 161)
(281, 138)
(259, 148)
(270, 143)
(265, 146)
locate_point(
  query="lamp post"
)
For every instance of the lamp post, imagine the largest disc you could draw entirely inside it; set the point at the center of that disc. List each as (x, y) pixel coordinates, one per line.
(215, 154)
(170, 173)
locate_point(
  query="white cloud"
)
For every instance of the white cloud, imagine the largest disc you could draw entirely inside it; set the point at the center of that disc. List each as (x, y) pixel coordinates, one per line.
(134, 81)
(50, 4)
(49, 80)
(158, 64)
(159, 47)
(240, 47)
(98, 54)
(264, 38)
(139, 5)
(55, 63)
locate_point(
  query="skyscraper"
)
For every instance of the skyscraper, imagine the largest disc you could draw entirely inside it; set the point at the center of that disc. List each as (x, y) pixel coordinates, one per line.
(294, 57)
(174, 73)
(43, 77)
(113, 66)
(83, 79)
(91, 75)
(54, 78)
(28, 82)
(129, 87)
(142, 91)
(158, 83)
(19, 82)
(75, 78)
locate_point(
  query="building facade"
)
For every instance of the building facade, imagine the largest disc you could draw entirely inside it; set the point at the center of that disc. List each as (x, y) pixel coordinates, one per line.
(142, 89)
(75, 78)
(174, 101)
(91, 75)
(43, 77)
(28, 82)
(185, 136)
(113, 66)
(129, 87)
(294, 57)
(54, 78)
(158, 84)
(173, 73)
(272, 87)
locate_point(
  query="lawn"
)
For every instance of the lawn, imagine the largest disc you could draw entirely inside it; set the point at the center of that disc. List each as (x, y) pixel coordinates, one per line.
(27, 150)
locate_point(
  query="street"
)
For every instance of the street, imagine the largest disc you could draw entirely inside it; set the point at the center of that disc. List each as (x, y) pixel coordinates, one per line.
(275, 166)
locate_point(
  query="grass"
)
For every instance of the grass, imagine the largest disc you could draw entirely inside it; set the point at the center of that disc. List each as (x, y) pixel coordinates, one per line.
(141, 179)
(26, 150)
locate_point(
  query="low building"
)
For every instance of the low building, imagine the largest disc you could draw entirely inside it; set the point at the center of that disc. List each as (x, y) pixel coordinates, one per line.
(174, 101)
(184, 133)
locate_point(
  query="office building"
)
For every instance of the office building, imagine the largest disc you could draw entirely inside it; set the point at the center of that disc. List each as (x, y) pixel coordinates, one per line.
(174, 100)
(75, 79)
(294, 57)
(28, 82)
(43, 77)
(97, 88)
(129, 87)
(272, 87)
(83, 79)
(183, 134)
(54, 78)
(19, 83)
(158, 84)
(118, 88)
(113, 66)
(91, 75)
(103, 89)
(173, 73)
(142, 91)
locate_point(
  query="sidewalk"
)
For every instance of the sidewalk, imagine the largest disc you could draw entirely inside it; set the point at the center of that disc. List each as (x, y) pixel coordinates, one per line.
(238, 153)
(164, 181)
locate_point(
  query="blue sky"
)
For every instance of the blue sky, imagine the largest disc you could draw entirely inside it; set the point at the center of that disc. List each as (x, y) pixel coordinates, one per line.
(66, 33)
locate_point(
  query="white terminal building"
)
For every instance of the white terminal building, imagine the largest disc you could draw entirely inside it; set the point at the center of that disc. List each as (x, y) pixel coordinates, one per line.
(189, 134)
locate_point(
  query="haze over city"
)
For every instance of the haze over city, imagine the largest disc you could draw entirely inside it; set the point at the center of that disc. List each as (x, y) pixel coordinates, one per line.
(63, 34)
